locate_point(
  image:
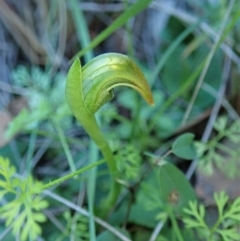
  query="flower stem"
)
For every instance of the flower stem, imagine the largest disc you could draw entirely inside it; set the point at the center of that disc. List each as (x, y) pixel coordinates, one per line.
(97, 136)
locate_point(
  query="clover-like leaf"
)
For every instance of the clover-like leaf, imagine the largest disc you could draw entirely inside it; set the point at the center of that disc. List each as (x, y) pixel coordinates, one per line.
(183, 147)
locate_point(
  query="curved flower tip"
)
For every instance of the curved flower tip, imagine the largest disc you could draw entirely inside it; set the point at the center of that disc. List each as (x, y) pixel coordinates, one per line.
(110, 70)
(90, 87)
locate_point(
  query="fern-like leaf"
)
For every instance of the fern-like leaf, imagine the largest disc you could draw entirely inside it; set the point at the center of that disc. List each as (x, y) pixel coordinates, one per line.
(23, 211)
(225, 227)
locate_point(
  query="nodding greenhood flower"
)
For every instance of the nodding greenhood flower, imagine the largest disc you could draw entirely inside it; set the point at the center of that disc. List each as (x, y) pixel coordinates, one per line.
(89, 87)
(92, 85)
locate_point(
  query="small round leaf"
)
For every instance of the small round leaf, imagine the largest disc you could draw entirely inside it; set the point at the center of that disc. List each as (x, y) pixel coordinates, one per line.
(183, 147)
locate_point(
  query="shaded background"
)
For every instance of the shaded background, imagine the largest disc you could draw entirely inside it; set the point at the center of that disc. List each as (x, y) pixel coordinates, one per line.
(38, 39)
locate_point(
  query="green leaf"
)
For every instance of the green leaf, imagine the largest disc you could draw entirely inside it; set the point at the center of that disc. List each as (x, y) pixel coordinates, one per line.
(201, 211)
(194, 216)
(19, 222)
(39, 217)
(221, 200)
(229, 234)
(183, 147)
(20, 212)
(190, 223)
(234, 211)
(175, 189)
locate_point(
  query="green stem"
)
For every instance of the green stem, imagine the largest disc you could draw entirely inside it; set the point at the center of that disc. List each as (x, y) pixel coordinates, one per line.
(71, 175)
(90, 125)
(97, 136)
(91, 188)
(214, 228)
(92, 128)
(115, 188)
(174, 223)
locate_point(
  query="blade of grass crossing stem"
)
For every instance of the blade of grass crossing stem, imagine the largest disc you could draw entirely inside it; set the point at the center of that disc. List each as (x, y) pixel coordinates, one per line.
(65, 146)
(84, 39)
(119, 22)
